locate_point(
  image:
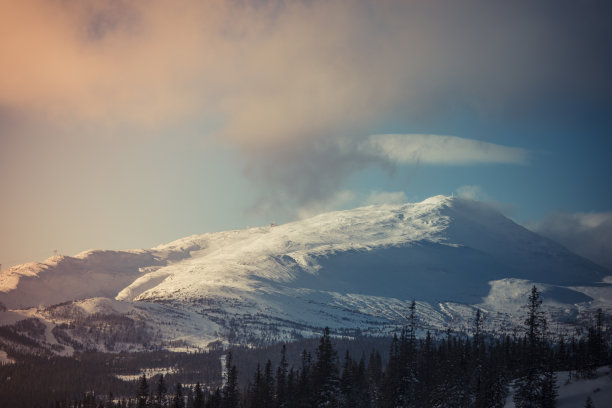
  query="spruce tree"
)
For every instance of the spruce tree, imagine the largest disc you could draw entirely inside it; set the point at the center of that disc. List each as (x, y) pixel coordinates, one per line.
(231, 394)
(214, 400)
(494, 388)
(198, 396)
(292, 390)
(304, 394)
(408, 362)
(347, 382)
(549, 386)
(179, 400)
(375, 377)
(561, 358)
(426, 372)
(142, 392)
(364, 399)
(478, 388)
(535, 322)
(534, 385)
(190, 401)
(391, 382)
(255, 390)
(268, 385)
(325, 375)
(109, 401)
(161, 391)
(281, 380)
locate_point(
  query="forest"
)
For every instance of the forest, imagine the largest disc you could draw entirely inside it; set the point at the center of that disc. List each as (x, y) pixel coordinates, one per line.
(452, 370)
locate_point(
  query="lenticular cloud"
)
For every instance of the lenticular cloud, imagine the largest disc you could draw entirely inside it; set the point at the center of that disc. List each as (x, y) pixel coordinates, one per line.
(440, 150)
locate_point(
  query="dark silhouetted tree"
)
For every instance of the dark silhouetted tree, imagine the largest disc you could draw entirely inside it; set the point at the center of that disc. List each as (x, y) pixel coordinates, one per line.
(281, 380)
(142, 392)
(231, 393)
(533, 386)
(325, 374)
(198, 396)
(160, 392)
(178, 401)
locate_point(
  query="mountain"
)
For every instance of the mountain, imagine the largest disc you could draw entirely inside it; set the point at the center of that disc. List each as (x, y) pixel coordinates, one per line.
(355, 271)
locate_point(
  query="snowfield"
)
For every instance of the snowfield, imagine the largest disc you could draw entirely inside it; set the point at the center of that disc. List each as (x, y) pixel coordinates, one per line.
(355, 271)
(573, 393)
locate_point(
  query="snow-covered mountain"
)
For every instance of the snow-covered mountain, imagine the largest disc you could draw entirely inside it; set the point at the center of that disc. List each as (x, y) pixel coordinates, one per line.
(355, 271)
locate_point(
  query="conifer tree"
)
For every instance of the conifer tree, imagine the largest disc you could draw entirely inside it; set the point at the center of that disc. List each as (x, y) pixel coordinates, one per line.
(179, 400)
(426, 372)
(281, 380)
(362, 384)
(292, 391)
(214, 400)
(142, 392)
(392, 375)
(535, 322)
(549, 387)
(198, 396)
(562, 358)
(109, 401)
(494, 388)
(347, 382)
(408, 362)
(375, 376)
(596, 353)
(161, 391)
(231, 394)
(190, 401)
(478, 387)
(268, 385)
(304, 394)
(255, 390)
(532, 385)
(325, 375)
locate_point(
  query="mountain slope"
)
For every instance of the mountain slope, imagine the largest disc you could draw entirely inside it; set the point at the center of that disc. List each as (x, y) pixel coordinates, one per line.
(355, 271)
(426, 251)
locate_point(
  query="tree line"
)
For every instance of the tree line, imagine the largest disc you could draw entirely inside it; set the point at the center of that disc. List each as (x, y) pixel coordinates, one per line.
(452, 371)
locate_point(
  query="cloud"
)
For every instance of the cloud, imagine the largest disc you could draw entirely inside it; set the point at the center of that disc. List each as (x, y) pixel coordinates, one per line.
(477, 193)
(441, 150)
(386, 197)
(472, 192)
(587, 234)
(276, 72)
(337, 201)
(286, 82)
(346, 198)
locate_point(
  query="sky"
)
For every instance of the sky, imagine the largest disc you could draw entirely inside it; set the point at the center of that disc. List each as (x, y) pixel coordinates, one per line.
(128, 124)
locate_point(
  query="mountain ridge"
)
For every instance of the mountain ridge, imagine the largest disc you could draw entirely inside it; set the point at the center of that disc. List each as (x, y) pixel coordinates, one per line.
(355, 271)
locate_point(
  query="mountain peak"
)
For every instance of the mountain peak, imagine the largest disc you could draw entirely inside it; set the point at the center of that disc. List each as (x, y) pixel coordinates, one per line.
(439, 200)
(350, 269)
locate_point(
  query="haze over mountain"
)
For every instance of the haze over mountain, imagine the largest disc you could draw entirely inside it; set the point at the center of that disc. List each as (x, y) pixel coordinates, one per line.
(355, 271)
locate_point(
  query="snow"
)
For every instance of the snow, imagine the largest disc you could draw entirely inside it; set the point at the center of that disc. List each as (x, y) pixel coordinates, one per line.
(355, 269)
(573, 394)
(148, 372)
(223, 361)
(4, 358)
(63, 278)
